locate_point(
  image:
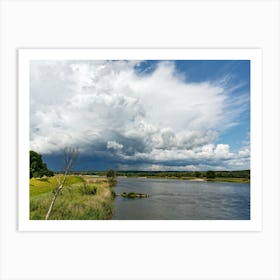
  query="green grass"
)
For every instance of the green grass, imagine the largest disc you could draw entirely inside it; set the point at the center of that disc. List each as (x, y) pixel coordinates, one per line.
(47, 184)
(82, 198)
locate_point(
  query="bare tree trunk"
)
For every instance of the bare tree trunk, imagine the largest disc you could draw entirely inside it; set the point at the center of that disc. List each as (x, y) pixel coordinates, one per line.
(70, 156)
(57, 192)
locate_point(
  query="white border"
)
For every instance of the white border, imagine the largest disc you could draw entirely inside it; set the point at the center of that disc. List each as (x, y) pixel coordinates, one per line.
(254, 55)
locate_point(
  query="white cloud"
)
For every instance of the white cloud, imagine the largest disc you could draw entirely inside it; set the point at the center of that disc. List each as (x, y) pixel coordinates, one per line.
(222, 151)
(105, 106)
(114, 145)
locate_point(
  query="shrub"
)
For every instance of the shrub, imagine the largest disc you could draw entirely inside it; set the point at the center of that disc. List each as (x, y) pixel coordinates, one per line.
(210, 174)
(111, 174)
(88, 189)
(113, 193)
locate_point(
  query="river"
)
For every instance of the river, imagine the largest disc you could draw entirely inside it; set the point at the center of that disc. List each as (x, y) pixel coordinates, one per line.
(171, 199)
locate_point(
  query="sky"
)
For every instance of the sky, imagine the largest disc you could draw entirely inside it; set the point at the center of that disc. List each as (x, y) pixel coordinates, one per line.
(142, 115)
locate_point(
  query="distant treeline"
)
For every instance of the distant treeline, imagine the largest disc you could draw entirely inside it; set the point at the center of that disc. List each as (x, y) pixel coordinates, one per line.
(174, 174)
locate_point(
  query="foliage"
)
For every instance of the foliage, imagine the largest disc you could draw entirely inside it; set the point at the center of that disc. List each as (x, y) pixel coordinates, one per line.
(87, 189)
(171, 174)
(38, 168)
(234, 174)
(111, 174)
(113, 193)
(210, 174)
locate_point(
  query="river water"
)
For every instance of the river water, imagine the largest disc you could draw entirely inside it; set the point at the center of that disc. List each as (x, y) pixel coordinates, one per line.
(171, 199)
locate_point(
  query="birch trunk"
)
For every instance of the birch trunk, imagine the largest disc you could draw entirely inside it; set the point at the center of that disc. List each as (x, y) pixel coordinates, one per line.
(57, 192)
(70, 156)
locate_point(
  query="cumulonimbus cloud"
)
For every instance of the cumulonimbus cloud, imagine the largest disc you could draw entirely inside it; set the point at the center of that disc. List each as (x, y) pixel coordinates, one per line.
(153, 120)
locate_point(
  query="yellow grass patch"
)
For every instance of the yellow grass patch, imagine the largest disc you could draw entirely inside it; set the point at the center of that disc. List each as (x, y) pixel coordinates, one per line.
(82, 198)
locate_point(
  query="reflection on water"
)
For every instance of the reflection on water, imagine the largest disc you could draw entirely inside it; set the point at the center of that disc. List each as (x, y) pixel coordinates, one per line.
(182, 200)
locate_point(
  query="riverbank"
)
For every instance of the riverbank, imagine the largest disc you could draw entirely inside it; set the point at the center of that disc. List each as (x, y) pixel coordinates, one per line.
(82, 198)
(221, 179)
(230, 180)
(217, 179)
(235, 176)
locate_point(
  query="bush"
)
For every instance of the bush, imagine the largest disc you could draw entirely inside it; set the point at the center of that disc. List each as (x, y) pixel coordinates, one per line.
(210, 174)
(111, 174)
(113, 193)
(88, 190)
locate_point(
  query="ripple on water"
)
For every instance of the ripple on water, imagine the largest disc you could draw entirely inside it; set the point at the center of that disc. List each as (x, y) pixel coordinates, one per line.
(182, 200)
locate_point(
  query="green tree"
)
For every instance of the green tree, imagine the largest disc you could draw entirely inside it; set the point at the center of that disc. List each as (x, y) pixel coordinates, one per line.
(37, 167)
(111, 174)
(210, 174)
(197, 174)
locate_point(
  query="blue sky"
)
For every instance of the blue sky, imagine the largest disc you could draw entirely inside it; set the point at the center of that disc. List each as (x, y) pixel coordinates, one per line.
(238, 72)
(142, 115)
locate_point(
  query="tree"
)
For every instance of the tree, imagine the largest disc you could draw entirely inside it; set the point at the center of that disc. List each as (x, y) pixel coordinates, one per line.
(37, 167)
(210, 174)
(197, 174)
(70, 156)
(111, 174)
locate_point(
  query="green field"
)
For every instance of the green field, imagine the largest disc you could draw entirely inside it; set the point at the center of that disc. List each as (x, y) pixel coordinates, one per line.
(82, 198)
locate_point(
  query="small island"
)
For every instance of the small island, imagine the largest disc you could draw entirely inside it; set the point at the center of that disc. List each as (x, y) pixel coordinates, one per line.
(134, 195)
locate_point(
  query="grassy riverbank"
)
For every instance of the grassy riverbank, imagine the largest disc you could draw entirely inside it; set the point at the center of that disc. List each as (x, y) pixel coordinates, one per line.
(217, 179)
(83, 198)
(235, 176)
(230, 180)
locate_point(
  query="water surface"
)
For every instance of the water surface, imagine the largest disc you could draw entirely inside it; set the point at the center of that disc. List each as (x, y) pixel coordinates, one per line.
(171, 199)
